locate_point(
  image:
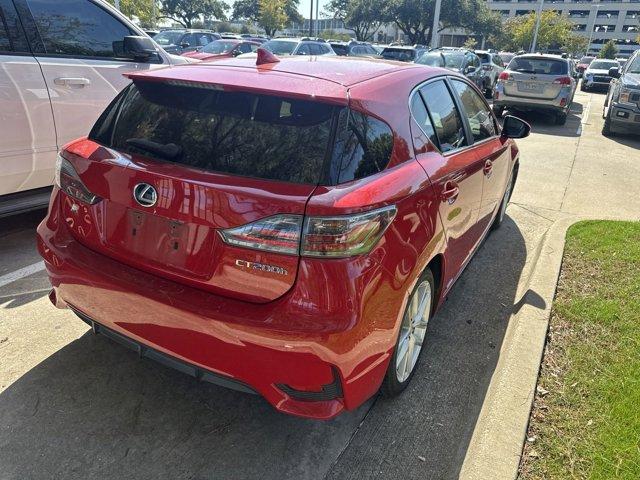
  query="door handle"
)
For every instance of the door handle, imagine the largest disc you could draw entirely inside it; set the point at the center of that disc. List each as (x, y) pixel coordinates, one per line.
(488, 168)
(450, 192)
(72, 81)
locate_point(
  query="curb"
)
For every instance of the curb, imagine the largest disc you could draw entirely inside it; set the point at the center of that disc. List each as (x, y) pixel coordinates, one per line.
(496, 444)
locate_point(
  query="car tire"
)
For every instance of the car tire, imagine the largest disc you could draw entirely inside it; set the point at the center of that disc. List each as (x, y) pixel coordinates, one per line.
(498, 110)
(606, 126)
(412, 330)
(561, 118)
(583, 88)
(505, 201)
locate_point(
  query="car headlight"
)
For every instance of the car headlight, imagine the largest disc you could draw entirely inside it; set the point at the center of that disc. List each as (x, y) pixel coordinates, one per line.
(625, 95)
(588, 76)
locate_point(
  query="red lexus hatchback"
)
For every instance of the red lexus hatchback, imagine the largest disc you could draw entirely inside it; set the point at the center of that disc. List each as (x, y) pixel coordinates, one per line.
(284, 228)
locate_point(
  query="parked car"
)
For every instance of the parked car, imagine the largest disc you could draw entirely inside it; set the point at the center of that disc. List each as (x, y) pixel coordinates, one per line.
(296, 46)
(354, 49)
(583, 63)
(596, 74)
(184, 40)
(536, 82)
(622, 105)
(152, 33)
(492, 66)
(506, 57)
(190, 224)
(57, 73)
(459, 60)
(223, 49)
(403, 53)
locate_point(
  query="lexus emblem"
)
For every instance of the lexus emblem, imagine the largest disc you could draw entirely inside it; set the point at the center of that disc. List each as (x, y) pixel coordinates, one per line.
(145, 194)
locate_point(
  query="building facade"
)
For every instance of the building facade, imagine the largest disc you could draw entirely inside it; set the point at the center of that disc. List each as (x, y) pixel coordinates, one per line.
(615, 20)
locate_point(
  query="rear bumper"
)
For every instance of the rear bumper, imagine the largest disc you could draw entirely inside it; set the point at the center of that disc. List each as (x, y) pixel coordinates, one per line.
(559, 103)
(625, 119)
(330, 360)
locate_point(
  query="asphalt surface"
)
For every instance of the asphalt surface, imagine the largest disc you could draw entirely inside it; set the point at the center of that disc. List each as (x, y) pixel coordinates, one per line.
(73, 405)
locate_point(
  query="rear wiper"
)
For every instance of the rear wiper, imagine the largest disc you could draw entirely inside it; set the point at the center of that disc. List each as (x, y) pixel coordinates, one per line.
(168, 150)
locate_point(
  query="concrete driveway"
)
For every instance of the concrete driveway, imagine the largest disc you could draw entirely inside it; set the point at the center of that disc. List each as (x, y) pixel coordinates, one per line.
(77, 406)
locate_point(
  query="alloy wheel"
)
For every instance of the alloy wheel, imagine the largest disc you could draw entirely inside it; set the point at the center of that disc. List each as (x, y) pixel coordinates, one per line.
(413, 330)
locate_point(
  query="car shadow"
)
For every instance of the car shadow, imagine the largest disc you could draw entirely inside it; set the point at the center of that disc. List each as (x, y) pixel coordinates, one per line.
(94, 410)
(626, 139)
(544, 123)
(425, 432)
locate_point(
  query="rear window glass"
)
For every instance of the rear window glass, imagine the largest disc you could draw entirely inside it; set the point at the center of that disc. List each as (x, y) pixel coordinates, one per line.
(363, 147)
(539, 66)
(229, 132)
(484, 58)
(401, 54)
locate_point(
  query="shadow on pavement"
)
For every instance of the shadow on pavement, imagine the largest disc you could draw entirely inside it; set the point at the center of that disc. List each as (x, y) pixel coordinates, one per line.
(544, 123)
(628, 140)
(94, 410)
(424, 434)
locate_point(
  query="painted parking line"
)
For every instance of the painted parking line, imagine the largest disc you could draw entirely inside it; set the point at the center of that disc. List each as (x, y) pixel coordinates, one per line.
(21, 273)
(585, 117)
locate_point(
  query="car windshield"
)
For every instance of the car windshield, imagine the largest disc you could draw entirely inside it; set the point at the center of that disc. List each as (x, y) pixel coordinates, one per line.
(539, 66)
(484, 57)
(431, 59)
(634, 67)
(453, 60)
(280, 47)
(168, 38)
(586, 60)
(603, 64)
(401, 54)
(219, 46)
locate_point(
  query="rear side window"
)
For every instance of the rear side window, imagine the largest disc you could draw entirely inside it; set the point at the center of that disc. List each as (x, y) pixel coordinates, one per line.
(363, 147)
(421, 116)
(229, 132)
(445, 116)
(78, 28)
(12, 37)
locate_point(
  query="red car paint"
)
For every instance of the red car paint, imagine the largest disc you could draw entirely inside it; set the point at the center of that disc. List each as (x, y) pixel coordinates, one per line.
(328, 319)
(232, 52)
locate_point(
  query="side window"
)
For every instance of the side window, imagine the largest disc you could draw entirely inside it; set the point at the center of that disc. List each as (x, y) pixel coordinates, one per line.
(315, 49)
(202, 40)
(303, 49)
(244, 48)
(445, 116)
(363, 147)
(253, 47)
(191, 39)
(421, 116)
(12, 37)
(480, 119)
(78, 28)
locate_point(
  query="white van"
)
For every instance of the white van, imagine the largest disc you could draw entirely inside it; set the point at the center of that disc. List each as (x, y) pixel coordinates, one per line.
(61, 63)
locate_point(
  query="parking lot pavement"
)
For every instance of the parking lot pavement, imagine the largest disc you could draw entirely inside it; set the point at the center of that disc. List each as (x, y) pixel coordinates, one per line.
(77, 406)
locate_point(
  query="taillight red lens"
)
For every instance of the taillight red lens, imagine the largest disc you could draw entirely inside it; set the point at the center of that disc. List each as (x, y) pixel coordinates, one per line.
(67, 179)
(280, 234)
(346, 235)
(562, 81)
(504, 76)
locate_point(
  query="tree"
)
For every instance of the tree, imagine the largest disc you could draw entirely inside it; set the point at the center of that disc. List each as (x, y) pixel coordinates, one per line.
(250, 10)
(140, 9)
(186, 12)
(554, 31)
(609, 50)
(470, 43)
(364, 17)
(575, 44)
(272, 15)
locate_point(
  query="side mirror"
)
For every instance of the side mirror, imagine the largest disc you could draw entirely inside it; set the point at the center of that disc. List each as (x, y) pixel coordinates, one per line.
(614, 72)
(139, 48)
(185, 45)
(236, 52)
(513, 127)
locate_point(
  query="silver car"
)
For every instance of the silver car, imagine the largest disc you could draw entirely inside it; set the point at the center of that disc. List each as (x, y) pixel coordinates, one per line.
(536, 82)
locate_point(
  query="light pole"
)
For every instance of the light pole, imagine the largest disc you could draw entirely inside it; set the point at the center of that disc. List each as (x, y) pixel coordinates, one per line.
(593, 26)
(117, 4)
(535, 32)
(311, 20)
(436, 23)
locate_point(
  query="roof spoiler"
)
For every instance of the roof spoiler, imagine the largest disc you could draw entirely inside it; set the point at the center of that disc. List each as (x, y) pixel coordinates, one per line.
(265, 56)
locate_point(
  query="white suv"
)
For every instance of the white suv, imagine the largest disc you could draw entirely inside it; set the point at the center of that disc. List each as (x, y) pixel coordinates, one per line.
(61, 63)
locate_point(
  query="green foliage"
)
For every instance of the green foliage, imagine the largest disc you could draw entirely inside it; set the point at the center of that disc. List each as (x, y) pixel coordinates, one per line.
(554, 31)
(609, 50)
(186, 12)
(272, 15)
(364, 17)
(575, 44)
(250, 10)
(140, 9)
(470, 43)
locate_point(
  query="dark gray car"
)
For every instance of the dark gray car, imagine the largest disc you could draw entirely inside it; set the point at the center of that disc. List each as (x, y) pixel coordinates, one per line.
(183, 41)
(622, 106)
(458, 60)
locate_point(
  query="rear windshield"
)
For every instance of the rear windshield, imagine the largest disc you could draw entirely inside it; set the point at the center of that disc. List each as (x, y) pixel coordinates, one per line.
(539, 66)
(280, 47)
(229, 132)
(402, 54)
(484, 57)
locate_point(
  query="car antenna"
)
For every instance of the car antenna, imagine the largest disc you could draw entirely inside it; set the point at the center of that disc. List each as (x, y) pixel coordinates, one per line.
(265, 56)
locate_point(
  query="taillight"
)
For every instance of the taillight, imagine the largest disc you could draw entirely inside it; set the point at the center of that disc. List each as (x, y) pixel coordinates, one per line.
(346, 235)
(68, 180)
(504, 76)
(340, 236)
(280, 234)
(562, 81)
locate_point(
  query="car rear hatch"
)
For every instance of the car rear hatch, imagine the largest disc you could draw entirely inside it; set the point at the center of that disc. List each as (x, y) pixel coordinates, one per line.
(539, 78)
(176, 165)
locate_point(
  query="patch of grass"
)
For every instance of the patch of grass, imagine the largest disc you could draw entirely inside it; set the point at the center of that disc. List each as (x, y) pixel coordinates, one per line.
(586, 417)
